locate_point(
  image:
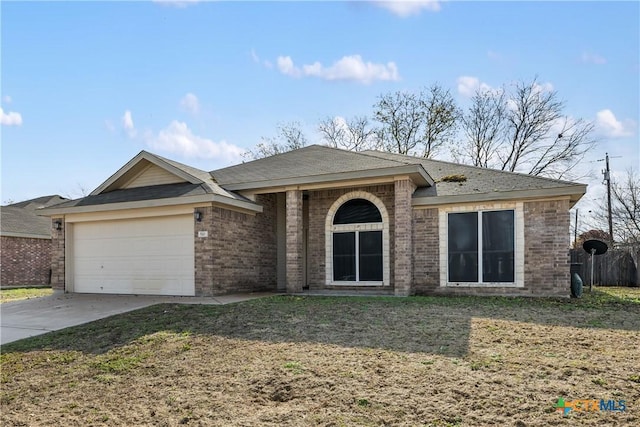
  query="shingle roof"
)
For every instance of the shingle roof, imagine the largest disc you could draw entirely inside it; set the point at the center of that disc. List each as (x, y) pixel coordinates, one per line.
(21, 220)
(478, 180)
(314, 160)
(39, 202)
(139, 193)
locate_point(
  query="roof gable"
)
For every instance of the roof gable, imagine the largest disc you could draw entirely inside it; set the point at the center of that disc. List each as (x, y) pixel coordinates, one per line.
(152, 175)
(147, 169)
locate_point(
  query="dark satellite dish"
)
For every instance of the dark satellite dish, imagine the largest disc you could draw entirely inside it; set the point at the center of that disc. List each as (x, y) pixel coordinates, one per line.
(595, 247)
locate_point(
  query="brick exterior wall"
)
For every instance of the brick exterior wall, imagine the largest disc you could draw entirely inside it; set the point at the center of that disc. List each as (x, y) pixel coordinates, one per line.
(320, 202)
(403, 252)
(239, 253)
(546, 254)
(57, 256)
(294, 241)
(546, 234)
(24, 261)
(426, 251)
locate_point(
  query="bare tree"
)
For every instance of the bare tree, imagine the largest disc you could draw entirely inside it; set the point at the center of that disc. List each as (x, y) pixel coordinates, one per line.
(484, 127)
(416, 123)
(400, 115)
(524, 130)
(441, 116)
(289, 137)
(354, 134)
(625, 209)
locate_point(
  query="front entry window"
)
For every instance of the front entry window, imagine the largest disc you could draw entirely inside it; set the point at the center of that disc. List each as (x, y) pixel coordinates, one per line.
(357, 242)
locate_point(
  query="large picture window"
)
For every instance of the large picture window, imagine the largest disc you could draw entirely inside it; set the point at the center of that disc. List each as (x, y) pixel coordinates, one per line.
(481, 247)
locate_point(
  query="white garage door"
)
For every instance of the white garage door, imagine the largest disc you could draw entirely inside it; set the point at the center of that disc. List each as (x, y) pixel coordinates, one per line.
(152, 256)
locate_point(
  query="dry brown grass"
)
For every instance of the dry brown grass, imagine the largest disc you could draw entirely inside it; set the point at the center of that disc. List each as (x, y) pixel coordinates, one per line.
(333, 362)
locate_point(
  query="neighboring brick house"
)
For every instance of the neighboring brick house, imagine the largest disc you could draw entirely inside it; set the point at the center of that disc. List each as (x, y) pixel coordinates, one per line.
(316, 219)
(25, 243)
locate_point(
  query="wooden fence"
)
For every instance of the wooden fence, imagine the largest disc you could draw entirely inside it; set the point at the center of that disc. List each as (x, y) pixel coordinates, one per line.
(617, 267)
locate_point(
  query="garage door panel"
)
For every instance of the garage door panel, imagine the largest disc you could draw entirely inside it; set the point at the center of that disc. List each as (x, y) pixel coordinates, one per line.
(142, 256)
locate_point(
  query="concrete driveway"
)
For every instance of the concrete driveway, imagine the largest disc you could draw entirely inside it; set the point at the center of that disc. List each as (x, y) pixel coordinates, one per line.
(36, 316)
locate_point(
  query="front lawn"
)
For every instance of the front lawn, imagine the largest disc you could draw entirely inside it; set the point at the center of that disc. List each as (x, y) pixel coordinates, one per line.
(15, 294)
(308, 361)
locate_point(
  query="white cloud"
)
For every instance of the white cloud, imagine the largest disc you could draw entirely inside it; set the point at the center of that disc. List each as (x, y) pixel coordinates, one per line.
(592, 58)
(190, 103)
(405, 8)
(468, 85)
(611, 127)
(7, 99)
(177, 3)
(10, 118)
(285, 65)
(127, 124)
(178, 139)
(350, 68)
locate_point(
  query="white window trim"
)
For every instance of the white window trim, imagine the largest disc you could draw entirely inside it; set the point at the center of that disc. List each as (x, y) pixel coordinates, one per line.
(330, 228)
(517, 207)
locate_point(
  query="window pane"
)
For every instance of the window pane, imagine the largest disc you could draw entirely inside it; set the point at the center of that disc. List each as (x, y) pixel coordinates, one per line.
(498, 246)
(463, 247)
(344, 256)
(357, 211)
(370, 255)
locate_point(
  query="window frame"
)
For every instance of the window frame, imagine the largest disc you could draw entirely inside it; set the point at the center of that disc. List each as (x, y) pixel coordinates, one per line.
(330, 228)
(518, 247)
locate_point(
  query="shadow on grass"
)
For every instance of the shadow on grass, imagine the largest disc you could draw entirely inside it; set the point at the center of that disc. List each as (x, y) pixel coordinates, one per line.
(436, 325)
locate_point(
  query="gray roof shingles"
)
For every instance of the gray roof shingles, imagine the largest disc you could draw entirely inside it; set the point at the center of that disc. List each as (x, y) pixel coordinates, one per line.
(21, 219)
(314, 160)
(478, 180)
(139, 193)
(317, 160)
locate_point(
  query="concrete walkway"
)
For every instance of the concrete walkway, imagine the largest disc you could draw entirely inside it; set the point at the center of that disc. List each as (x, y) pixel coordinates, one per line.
(36, 316)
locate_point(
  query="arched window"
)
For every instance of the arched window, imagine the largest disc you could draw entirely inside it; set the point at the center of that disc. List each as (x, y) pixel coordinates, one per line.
(357, 242)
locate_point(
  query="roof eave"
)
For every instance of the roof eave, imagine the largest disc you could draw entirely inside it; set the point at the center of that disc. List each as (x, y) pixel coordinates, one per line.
(574, 192)
(418, 174)
(24, 235)
(173, 201)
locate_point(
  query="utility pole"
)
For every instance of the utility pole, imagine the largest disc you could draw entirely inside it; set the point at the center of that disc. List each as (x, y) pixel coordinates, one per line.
(607, 177)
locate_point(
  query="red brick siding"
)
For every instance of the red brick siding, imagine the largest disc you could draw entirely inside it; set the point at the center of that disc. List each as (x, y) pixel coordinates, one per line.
(546, 237)
(239, 254)
(24, 261)
(426, 251)
(403, 253)
(58, 256)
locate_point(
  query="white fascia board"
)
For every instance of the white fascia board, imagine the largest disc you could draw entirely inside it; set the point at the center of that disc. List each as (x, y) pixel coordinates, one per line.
(575, 192)
(207, 198)
(416, 171)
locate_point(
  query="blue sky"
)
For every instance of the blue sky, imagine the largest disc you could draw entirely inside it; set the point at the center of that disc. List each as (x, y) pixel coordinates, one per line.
(86, 85)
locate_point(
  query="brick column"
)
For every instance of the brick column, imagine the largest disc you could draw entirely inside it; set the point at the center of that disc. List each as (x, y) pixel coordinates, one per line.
(403, 224)
(58, 255)
(294, 241)
(203, 252)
